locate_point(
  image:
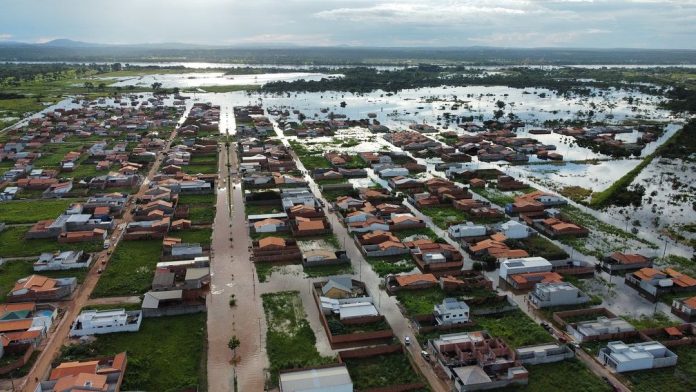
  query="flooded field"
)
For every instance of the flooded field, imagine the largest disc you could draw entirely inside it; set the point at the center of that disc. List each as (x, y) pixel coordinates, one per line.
(196, 79)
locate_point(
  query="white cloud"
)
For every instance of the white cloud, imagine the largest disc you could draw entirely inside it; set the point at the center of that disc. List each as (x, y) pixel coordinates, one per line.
(298, 39)
(5, 37)
(535, 39)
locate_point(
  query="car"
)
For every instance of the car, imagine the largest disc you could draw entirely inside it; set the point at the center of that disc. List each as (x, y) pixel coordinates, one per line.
(425, 355)
(407, 340)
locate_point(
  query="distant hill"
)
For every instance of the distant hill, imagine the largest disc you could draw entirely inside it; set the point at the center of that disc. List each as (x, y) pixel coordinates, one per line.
(69, 50)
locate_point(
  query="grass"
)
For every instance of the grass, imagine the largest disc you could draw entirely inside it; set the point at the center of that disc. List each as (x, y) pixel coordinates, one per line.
(208, 199)
(577, 194)
(156, 349)
(540, 246)
(446, 216)
(417, 302)
(328, 270)
(201, 214)
(516, 328)
(202, 169)
(11, 271)
(384, 266)
(26, 211)
(200, 236)
(680, 378)
(13, 244)
(658, 320)
(290, 341)
(557, 376)
(381, 371)
(494, 196)
(310, 159)
(428, 232)
(130, 270)
(262, 209)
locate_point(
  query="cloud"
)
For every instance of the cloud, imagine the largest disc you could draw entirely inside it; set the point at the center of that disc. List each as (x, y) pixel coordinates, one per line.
(535, 39)
(297, 39)
(5, 36)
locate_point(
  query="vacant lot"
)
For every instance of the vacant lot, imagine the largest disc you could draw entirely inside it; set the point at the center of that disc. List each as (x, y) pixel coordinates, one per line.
(567, 376)
(381, 371)
(420, 301)
(200, 236)
(130, 270)
(290, 341)
(30, 211)
(13, 244)
(157, 349)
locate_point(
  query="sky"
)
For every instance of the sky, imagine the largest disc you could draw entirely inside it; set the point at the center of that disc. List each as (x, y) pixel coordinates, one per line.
(666, 24)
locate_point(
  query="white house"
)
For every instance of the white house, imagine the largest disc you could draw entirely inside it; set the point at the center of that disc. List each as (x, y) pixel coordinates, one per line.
(358, 216)
(62, 261)
(624, 357)
(451, 311)
(325, 379)
(556, 294)
(393, 172)
(468, 229)
(514, 230)
(524, 265)
(585, 330)
(95, 322)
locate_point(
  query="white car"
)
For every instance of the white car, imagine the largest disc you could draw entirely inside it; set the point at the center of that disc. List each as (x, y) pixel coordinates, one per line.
(407, 340)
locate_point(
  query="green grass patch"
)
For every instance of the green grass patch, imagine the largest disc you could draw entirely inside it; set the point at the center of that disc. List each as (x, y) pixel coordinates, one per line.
(577, 194)
(384, 266)
(557, 377)
(13, 244)
(201, 214)
(381, 371)
(202, 169)
(201, 236)
(539, 246)
(208, 199)
(130, 270)
(225, 89)
(418, 302)
(290, 341)
(658, 320)
(261, 209)
(428, 232)
(328, 270)
(495, 196)
(446, 216)
(157, 349)
(30, 211)
(515, 327)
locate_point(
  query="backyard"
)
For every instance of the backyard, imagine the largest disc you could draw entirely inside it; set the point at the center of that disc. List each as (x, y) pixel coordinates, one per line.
(155, 350)
(130, 270)
(13, 270)
(568, 376)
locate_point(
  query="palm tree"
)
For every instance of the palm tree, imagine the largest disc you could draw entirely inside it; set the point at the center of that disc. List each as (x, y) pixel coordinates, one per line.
(233, 344)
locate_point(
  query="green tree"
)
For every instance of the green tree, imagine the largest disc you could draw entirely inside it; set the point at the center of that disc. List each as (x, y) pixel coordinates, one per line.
(233, 344)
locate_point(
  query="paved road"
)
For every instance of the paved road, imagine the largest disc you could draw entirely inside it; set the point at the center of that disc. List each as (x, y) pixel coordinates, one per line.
(51, 348)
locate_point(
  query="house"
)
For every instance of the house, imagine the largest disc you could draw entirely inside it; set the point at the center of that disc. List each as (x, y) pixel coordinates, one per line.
(556, 294)
(685, 308)
(432, 256)
(62, 261)
(544, 353)
(554, 228)
(57, 190)
(303, 227)
(476, 361)
(95, 322)
(333, 378)
(524, 265)
(528, 280)
(102, 374)
(622, 357)
(466, 230)
(275, 249)
(514, 230)
(172, 302)
(451, 311)
(338, 287)
(624, 262)
(507, 183)
(82, 236)
(41, 288)
(406, 184)
(269, 225)
(467, 281)
(320, 257)
(653, 282)
(371, 224)
(393, 172)
(602, 328)
(413, 281)
(405, 221)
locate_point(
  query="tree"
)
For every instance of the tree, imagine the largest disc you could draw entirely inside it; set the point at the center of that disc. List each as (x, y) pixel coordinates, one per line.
(498, 114)
(89, 85)
(500, 104)
(156, 86)
(101, 86)
(233, 344)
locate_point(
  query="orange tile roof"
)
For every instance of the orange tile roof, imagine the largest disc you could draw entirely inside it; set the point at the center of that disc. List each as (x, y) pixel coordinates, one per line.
(690, 302)
(73, 369)
(499, 237)
(624, 258)
(680, 279)
(647, 273)
(405, 280)
(391, 244)
(36, 283)
(269, 221)
(310, 225)
(17, 307)
(268, 241)
(15, 325)
(673, 331)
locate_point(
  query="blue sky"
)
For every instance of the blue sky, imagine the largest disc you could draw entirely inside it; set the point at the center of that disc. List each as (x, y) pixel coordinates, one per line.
(665, 24)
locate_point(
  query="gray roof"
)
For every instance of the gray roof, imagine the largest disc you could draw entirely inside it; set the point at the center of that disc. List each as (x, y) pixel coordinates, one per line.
(339, 282)
(197, 273)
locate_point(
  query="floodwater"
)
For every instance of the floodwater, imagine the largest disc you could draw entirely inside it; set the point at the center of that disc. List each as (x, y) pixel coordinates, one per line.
(213, 79)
